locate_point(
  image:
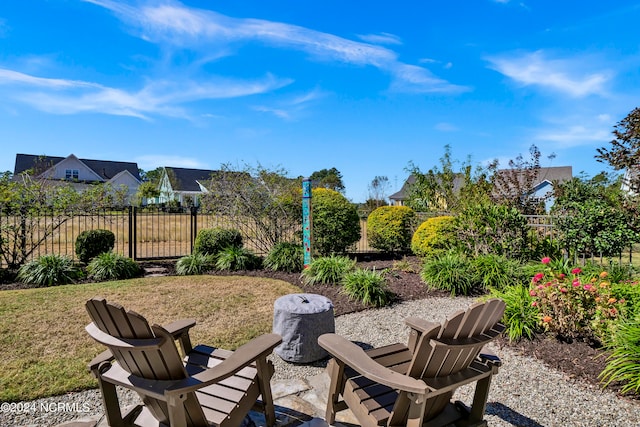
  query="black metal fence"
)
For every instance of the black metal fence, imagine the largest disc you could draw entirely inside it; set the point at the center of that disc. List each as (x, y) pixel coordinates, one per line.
(148, 233)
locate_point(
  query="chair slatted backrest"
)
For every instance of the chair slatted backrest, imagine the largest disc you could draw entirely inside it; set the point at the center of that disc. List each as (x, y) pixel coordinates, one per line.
(153, 359)
(453, 348)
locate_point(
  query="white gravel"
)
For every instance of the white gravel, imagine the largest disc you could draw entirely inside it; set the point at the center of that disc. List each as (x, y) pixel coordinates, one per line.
(524, 393)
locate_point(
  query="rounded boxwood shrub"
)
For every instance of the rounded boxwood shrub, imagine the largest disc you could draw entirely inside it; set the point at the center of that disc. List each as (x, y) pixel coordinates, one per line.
(433, 237)
(91, 243)
(112, 266)
(336, 224)
(210, 241)
(285, 256)
(389, 228)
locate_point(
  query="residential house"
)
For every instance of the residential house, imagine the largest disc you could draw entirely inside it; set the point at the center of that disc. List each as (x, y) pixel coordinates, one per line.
(542, 188)
(80, 173)
(184, 186)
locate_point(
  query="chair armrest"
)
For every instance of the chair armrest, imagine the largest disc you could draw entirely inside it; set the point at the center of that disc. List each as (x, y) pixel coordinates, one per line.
(103, 357)
(487, 356)
(420, 324)
(257, 348)
(179, 327)
(355, 357)
(179, 330)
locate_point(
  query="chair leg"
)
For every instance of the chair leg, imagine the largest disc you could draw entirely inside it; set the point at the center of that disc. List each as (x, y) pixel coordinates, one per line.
(111, 403)
(480, 400)
(265, 371)
(336, 373)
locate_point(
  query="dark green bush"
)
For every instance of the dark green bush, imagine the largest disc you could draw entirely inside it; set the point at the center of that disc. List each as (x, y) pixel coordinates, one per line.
(285, 256)
(336, 224)
(196, 263)
(327, 270)
(451, 272)
(492, 229)
(210, 241)
(389, 228)
(367, 286)
(112, 266)
(49, 270)
(91, 243)
(433, 237)
(235, 258)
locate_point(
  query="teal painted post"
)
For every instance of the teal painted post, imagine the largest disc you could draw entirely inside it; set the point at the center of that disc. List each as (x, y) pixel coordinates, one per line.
(307, 235)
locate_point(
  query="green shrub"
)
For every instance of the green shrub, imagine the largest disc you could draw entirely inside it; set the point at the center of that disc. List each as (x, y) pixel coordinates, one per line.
(112, 266)
(326, 270)
(91, 243)
(196, 263)
(540, 247)
(210, 241)
(366, 286)
(433, 237)
(49, 270)
(234, 258)
(496, 271)
(451, 272)
(521, 316)
(285, 256)
(336, 224)
(492, 229)
(389, 228)
(623, 364)
(629, 292)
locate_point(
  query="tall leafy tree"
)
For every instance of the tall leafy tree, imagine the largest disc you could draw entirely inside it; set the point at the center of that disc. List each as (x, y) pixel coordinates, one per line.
(327, 178)
(515, 186)
(624, 152)
(444, 189)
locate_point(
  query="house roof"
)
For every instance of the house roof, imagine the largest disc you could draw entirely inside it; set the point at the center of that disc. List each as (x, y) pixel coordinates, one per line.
(545, 175)
(550, 174)
(106, 169)
(403, 193)
(184, 179)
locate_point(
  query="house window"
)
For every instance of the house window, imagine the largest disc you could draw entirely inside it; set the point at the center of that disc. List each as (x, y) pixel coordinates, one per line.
(71, 174)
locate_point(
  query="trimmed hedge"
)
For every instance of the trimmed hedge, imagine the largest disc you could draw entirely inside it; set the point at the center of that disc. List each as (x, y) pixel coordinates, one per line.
(336, 224)
(210, 241)
(433, 237)
(389, 228)
(92, 243)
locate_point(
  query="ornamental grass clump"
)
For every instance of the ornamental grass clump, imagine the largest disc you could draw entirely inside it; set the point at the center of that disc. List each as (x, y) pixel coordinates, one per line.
(49, 270)
(285, 256)
(367, 286)
(572, 306)
(196, 263)
(112, 266)
(326, 270)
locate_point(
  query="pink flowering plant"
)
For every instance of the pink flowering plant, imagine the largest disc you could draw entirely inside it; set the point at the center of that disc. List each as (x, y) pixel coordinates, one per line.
(574, 305)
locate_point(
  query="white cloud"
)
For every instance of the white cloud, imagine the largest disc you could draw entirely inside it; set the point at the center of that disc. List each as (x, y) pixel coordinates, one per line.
(445, 127)
(61, 96)
(291, 108)
(575, 135)
(177, 25)
(382, 38)
(563, 75)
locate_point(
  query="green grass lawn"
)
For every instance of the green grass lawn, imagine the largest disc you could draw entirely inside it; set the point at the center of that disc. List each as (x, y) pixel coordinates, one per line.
(44, 348)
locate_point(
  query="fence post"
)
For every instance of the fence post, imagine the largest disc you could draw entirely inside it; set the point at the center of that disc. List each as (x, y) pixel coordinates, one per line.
(130, 231)
(194, 227)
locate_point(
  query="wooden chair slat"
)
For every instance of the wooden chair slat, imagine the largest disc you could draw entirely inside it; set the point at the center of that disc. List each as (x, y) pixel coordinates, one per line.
(144, 354)
(443, 357)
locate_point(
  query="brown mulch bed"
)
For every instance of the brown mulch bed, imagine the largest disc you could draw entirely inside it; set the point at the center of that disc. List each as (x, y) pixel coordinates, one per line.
(577, 360)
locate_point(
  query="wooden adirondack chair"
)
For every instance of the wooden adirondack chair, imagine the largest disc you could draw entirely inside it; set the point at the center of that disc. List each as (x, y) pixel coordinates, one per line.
(205, 386)
(412, 384)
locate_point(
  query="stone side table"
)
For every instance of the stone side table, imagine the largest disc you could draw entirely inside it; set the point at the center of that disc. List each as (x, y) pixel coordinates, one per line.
(300, 319)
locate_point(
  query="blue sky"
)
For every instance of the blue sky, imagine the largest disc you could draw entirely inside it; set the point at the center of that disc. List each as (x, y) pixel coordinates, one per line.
(366, 87)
